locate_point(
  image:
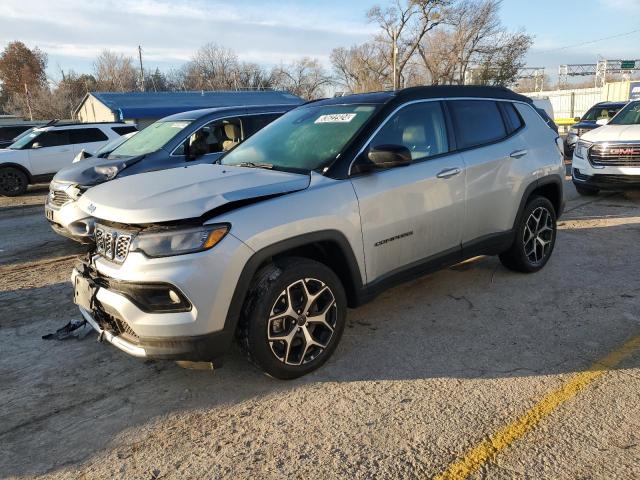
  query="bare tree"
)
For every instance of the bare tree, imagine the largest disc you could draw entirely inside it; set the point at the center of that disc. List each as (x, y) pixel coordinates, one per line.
(115, 72)
(472, 37)
(403, 25)
(212, 68)
(305, 77)
(361, 68)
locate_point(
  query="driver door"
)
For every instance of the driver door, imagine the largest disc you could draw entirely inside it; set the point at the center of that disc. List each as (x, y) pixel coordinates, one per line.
(50, 151)
(415, 212)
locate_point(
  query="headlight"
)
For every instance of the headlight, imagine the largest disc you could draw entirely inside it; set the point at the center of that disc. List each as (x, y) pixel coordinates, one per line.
(581, 149)
(109, 171)
(179, 241)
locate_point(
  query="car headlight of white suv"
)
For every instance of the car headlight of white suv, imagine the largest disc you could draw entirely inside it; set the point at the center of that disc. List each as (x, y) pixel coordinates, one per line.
(582, 149)
(179, 241)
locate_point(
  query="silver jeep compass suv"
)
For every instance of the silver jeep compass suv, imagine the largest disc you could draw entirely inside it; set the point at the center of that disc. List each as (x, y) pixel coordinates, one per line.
(319, 211)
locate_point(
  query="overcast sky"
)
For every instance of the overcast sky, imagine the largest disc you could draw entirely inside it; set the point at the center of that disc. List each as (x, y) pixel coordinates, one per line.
(73, 32)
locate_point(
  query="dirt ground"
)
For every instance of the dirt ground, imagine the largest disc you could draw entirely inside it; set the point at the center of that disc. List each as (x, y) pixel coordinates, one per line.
(423, 374)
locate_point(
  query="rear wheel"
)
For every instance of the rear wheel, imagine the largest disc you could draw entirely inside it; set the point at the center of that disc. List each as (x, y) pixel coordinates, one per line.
(293, 318)
(12, 182)
(535, 237)
(586, 191)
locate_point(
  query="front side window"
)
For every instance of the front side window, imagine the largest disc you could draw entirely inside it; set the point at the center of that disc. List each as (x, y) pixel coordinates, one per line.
(420, 127)
(629, 115)
(307, 138)
(214, 137)
(151, 139)
(476, 122)
(51, 138)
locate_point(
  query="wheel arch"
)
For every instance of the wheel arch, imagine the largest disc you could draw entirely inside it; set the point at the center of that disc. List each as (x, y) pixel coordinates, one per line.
(329, 247)
(550, 187)
(17, 166)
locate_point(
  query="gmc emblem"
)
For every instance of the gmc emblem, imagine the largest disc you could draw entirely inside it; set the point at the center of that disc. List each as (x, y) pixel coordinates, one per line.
(624, 151)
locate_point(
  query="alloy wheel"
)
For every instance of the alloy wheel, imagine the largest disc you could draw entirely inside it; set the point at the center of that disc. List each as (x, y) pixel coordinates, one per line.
(538, 235)
(302, 321)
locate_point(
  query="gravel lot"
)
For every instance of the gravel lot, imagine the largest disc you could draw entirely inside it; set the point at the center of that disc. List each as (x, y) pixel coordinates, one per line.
(423, 374)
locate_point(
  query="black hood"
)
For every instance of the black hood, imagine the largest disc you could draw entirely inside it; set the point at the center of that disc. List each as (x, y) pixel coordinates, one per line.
(83, 172)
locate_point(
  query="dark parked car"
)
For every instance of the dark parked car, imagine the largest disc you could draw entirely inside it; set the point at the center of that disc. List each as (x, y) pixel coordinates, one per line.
(8, 133)
(603, 112)
(188, 138)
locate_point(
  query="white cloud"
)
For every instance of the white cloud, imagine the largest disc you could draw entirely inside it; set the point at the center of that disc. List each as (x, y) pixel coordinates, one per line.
(74, 32)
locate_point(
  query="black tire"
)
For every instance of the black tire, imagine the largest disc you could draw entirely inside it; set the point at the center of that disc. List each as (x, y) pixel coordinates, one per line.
(13, 182)
(528, 254)
(266, 296)
(586, 191)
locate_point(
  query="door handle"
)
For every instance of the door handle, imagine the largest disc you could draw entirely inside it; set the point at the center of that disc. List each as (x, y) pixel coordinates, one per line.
(518, 153)
(448, 172)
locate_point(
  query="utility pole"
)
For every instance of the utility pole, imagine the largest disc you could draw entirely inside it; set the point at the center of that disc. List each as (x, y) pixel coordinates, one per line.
(394, 58)
(26, 90)
(141, 69)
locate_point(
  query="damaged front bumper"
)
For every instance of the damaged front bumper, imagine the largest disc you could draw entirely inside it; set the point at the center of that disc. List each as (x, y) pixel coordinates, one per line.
(105, 307)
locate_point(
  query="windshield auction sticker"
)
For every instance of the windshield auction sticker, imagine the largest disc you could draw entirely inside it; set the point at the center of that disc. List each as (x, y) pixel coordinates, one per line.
(336, 118)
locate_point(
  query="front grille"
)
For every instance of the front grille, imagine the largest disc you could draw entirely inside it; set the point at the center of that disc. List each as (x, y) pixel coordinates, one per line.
(58, 198)
(615, 155)
(112, 244)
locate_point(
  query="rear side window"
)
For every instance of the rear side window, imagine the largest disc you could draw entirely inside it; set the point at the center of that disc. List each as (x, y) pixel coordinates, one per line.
(514, 121)
(87, 135)
(124, 130)
(51, 138)
(476, 122)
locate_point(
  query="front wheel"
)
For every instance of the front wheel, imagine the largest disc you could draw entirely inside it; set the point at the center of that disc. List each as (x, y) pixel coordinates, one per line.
(293, 317)
(12, 182)
(535, 237)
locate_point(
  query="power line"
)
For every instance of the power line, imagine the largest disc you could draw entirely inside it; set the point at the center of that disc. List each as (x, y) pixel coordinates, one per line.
(591, 41)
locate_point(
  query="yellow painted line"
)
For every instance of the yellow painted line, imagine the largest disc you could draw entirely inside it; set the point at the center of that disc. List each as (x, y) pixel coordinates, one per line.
(486, 450)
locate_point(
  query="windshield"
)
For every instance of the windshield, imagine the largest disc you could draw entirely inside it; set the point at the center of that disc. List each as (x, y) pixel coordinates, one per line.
(25, 139)
(598, 113)
(151, 139)
(629, 115)
(110, 146)
(304, 139)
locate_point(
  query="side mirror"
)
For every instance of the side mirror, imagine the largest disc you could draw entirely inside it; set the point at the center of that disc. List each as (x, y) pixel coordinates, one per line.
(389, 156)
(602, 121)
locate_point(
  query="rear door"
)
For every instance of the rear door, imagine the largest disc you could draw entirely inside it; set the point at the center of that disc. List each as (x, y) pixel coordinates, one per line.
(495, 157)
(415, 212)
(87, 139)
(50, 151)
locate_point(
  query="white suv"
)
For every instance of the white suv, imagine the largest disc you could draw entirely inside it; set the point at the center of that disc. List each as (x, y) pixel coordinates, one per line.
(37, 156)
(320, 210)
(608, 157)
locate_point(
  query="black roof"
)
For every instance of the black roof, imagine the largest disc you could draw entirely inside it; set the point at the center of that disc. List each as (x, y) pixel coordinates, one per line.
(435, 91)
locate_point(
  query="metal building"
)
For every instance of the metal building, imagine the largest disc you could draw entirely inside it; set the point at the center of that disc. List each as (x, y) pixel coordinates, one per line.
(145, 108)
